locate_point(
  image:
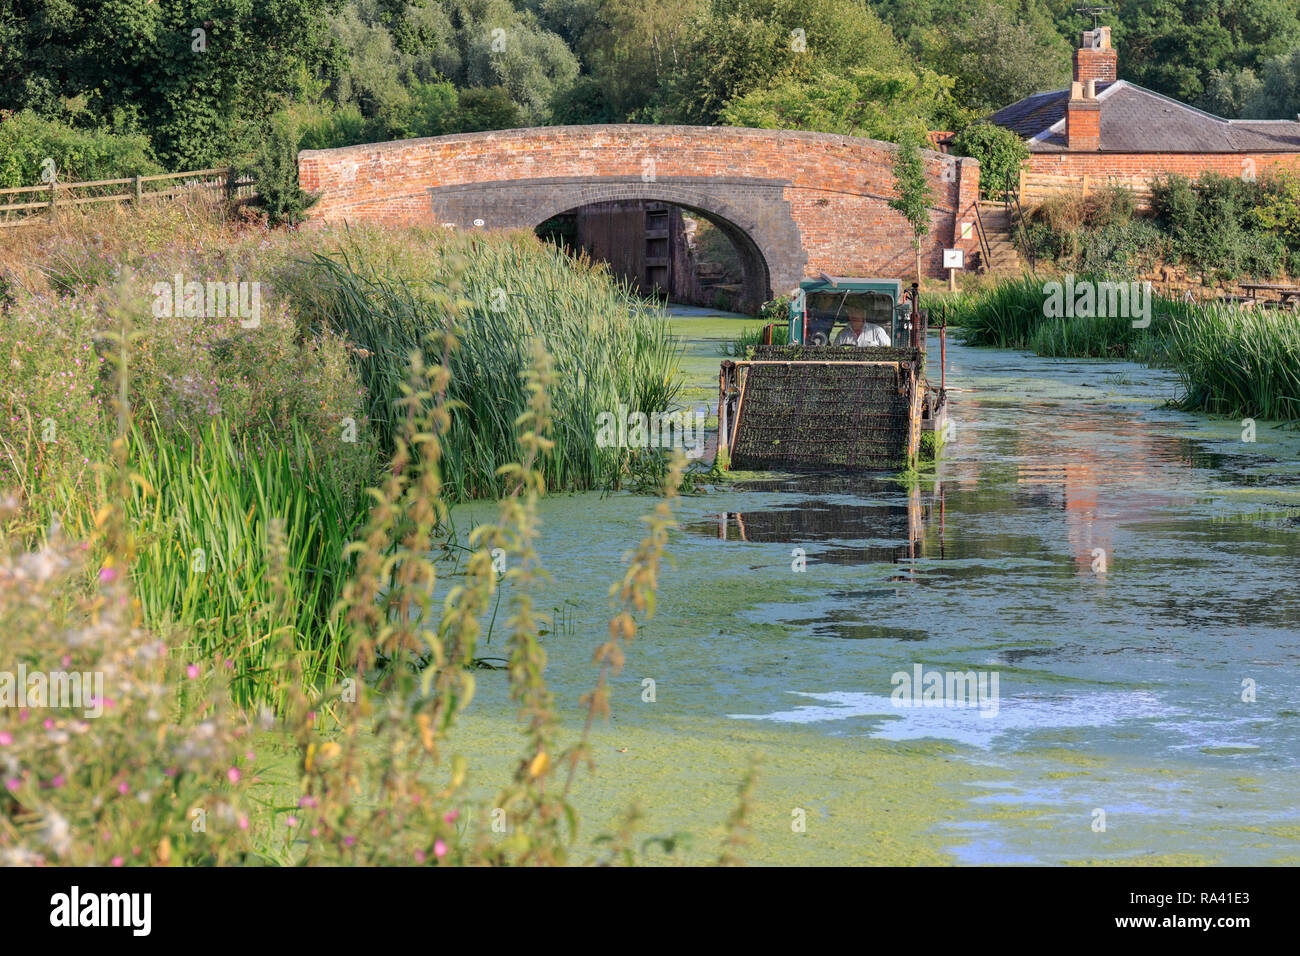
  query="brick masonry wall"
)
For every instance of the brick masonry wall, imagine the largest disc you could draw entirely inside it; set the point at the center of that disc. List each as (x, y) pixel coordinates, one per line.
(1046, 174)
(1083, 124)
(804, 202)
(1099, 65)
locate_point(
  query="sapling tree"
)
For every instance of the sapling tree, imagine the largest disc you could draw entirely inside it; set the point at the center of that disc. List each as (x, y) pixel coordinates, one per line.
(914, 193)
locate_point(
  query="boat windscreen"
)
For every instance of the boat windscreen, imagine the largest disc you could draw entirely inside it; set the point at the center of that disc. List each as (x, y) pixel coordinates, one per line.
(834, 306)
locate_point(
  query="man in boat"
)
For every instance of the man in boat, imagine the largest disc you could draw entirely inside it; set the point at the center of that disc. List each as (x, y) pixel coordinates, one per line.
(860, 332)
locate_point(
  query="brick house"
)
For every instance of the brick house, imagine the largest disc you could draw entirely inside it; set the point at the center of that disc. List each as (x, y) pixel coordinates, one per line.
(1104, 130)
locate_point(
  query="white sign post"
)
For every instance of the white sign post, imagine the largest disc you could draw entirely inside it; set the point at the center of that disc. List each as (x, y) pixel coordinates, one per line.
(953, 259)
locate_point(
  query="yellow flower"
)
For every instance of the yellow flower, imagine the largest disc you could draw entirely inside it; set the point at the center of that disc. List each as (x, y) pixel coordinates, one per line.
(539, 765)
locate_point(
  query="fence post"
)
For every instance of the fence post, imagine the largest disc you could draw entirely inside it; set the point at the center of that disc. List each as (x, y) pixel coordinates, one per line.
(54, 196)
(231, 187)
(139, 189)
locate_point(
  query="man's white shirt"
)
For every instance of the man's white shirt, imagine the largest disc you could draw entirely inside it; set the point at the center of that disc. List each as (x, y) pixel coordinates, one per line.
(871, 334)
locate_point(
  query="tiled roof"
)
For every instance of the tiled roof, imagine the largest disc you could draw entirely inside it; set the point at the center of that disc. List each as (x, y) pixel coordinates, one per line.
(1033, 114)
(1134, 119)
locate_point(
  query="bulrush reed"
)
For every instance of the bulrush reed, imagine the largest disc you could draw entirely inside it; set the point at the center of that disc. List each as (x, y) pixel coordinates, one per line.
(607, 348)
(1231, 360)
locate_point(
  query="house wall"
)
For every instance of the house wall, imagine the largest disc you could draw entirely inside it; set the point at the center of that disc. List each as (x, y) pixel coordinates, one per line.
(1051, 174)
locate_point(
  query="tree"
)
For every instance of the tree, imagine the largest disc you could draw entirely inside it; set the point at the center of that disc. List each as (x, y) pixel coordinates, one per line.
(496, 45)
(634, 50)
(747, 45)
(1175, 47)
(200, 77)
(1000, 153)
(996, 58)
(481, 109)
(275, 175)
(1278, 93)
(889, 106)
(914, 193)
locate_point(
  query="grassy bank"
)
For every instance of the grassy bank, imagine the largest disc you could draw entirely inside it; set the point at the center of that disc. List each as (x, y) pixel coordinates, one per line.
(279, 422)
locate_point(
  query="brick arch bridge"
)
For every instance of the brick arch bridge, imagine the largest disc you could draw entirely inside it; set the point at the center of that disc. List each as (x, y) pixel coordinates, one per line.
(794, 203)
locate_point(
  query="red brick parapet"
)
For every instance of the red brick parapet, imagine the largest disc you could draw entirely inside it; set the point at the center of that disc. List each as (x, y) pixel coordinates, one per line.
(810, 202)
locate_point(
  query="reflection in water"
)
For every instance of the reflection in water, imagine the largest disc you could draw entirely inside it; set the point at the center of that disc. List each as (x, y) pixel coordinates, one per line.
(891, 528)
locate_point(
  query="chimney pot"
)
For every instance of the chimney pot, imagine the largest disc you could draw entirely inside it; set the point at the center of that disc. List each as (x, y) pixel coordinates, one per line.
(1096, 59)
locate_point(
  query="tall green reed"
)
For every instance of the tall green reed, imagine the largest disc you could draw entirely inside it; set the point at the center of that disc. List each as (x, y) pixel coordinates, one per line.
(203, 512)
(607, 350)
(1239, 362)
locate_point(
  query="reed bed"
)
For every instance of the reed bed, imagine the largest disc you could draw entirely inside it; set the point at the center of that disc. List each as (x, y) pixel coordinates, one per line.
(1086, 337)
(1231, 361)
(608, 349)
(1004, 316)
(751, 336)
(1238, 362)
(204, 512)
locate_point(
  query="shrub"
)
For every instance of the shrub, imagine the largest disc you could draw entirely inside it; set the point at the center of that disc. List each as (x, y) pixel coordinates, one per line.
(1099, 233)
(1225, 226)
(275, 175)
(1278, 209)
(27, 140)
(1000, 153)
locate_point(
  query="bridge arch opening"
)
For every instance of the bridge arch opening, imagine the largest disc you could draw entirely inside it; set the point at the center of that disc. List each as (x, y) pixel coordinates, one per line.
(669, 249)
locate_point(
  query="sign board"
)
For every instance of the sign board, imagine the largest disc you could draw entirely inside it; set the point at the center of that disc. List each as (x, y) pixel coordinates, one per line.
(967, 230)
(954, 259)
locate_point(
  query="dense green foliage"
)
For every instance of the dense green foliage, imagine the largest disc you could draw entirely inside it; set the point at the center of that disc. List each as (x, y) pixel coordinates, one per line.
(888, 106)
(200, 78)
(1220, 227)
(27, 140)
(999, 151)
(189, 83)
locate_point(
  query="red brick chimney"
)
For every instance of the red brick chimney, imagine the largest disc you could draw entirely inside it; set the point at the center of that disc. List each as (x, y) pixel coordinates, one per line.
(1083, 117)
(1095, 59)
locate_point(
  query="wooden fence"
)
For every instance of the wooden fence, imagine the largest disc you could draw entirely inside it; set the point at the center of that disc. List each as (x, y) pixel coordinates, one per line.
(1036, 187)
(24, 211)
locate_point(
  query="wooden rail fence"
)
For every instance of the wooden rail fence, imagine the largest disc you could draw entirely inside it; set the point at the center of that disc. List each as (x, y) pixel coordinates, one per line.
(26, 212)
(1036, 187)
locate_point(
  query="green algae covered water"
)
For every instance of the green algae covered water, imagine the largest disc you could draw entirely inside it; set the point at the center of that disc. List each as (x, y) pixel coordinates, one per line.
(1117, 580)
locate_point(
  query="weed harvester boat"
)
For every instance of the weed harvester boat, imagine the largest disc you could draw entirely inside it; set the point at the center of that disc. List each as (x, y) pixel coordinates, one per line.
(813, 405)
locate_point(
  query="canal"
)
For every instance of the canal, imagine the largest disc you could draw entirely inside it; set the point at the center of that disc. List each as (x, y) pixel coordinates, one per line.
(1120, 575)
